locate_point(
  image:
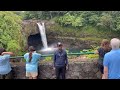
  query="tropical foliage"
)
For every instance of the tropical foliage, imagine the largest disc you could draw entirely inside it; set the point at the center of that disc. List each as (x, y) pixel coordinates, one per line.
(107, 20)
(10, 34)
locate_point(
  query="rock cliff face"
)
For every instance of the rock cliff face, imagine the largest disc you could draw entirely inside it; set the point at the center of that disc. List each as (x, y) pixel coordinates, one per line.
(32, 36)
(31, 32)
(30, 27)
(79, 70)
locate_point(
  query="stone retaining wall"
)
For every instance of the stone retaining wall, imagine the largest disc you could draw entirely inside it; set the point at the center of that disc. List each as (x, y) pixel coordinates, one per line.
(79, 70)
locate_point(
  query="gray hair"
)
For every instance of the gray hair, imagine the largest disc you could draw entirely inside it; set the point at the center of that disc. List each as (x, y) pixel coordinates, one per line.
(115, 43)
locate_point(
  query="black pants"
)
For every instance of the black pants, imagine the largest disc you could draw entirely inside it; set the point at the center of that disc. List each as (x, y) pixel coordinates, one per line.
(101, 68)
(60, 72)
(7, 76)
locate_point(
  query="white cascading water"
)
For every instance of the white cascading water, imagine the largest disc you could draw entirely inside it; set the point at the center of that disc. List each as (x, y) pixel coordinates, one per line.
(43, 34)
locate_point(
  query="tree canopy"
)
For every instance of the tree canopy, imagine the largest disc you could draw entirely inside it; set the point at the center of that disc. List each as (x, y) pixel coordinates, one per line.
(10, 34)
(108, 20)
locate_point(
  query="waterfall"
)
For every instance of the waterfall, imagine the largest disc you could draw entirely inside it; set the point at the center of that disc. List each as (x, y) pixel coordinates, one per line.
(43, 34)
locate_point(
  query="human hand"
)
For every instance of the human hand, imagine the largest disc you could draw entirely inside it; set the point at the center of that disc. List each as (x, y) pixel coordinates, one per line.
(67, 67)
(53, 68)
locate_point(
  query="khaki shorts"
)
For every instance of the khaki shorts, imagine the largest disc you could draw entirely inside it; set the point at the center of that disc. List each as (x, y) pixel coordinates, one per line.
(31, 74)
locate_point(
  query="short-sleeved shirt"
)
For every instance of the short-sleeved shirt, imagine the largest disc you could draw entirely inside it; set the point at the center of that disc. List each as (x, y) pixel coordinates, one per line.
(112, 61)
(5, 66)
(101, 52)
(33, 65)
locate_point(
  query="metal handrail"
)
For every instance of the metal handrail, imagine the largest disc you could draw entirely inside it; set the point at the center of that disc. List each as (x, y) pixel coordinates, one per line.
(49, 55)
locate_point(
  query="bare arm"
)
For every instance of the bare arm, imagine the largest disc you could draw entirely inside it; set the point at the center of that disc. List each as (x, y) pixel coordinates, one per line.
(10, 53)
(105, 76)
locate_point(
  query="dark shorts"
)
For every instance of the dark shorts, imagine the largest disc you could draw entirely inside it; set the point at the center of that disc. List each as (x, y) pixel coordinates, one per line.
(7, 76)
(101, 68)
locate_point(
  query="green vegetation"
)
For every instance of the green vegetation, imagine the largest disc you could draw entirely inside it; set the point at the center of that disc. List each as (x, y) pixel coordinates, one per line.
(77, 25)
(44, 15)
(47, 59)
(91, 56)
(103, 20)
(10, 34)
(87, 33)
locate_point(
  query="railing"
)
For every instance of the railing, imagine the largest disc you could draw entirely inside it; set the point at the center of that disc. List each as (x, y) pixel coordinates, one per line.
(49, 55)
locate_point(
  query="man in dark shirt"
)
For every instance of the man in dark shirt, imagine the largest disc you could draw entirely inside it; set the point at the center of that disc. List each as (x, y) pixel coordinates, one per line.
(60, 61)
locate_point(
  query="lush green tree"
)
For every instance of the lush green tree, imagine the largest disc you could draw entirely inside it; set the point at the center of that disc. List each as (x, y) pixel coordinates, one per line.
(105, 20)
(10, 34)
(108, 20)
(93, 20)
(41, 14)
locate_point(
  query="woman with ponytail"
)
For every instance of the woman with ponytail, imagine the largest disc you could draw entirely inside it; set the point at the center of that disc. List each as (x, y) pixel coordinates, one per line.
(32, 59)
